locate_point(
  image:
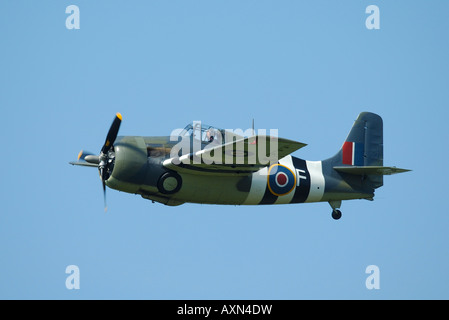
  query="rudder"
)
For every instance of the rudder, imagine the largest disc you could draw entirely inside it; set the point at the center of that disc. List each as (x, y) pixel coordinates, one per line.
(364, 144)
(364, 147)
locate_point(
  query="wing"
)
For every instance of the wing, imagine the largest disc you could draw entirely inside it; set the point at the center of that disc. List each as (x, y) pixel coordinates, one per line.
(83, 163)
(240, 157)
(82, 155)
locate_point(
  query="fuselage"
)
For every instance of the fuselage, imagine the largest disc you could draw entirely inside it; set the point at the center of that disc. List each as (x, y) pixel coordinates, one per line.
(139, 169)
(208, 165)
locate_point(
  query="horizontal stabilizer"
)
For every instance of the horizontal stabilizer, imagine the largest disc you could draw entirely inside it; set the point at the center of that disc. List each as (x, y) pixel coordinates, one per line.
(370, 170)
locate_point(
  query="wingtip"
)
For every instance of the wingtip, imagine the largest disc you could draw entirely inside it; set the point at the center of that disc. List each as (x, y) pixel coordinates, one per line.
(401, 170)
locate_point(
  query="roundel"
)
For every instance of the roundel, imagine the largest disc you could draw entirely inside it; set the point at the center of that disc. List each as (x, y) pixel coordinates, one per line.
(169, 183)
(281, 180)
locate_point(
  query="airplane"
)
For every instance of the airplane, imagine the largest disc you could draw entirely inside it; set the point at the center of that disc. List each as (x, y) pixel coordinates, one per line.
(208, 165)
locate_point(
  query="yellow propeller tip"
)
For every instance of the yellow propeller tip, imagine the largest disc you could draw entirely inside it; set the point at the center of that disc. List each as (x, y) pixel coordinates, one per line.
(119, 115)
(80, 154)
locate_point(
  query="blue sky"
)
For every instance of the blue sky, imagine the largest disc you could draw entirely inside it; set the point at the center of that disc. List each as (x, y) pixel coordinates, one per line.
(306, 68)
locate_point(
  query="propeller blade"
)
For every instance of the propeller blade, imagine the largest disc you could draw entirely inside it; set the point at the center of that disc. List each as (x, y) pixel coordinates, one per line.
(83, 154)
(112, 134)
(103, 182)
(104, 196)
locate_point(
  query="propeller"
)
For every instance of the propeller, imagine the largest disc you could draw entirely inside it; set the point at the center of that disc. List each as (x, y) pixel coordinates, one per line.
(106, 157)
(105, 161)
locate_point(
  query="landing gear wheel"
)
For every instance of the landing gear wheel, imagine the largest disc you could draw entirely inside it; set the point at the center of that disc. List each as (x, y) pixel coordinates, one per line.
(336, 214)
(169, 183)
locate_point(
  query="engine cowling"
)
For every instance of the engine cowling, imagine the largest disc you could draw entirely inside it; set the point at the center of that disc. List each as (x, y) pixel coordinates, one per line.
(130, 164)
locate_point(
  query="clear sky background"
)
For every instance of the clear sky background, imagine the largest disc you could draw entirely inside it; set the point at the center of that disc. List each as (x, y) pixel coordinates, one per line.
(306, 68)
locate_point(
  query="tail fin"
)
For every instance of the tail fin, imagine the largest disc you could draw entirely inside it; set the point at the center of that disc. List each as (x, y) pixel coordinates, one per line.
(364, 144)
(362, 151)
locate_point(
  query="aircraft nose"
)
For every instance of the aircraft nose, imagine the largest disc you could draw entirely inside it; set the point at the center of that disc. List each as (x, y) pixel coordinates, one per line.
(130, 164)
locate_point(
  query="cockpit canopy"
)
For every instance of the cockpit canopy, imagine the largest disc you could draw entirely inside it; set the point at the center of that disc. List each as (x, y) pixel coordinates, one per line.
(207, 133)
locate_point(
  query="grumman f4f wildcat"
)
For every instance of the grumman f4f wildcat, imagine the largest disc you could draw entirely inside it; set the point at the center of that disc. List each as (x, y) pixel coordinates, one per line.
(208, 165)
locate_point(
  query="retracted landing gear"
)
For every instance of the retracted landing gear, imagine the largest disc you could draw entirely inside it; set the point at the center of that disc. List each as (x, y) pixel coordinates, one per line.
(336, 214)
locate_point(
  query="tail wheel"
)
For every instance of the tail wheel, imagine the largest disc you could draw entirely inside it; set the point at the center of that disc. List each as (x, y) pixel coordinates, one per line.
(169, 183)
(336, 214)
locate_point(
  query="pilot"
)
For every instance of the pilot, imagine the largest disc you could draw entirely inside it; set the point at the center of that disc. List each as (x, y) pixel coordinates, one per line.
(209, 135)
